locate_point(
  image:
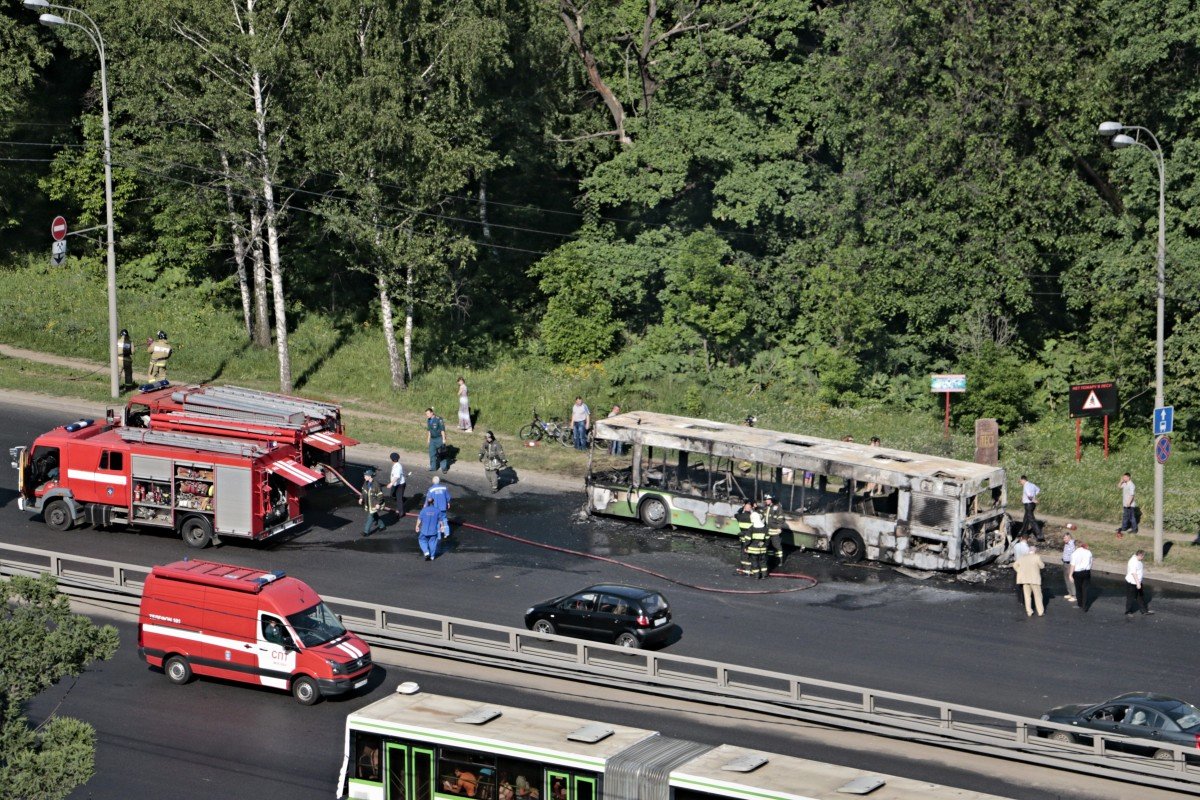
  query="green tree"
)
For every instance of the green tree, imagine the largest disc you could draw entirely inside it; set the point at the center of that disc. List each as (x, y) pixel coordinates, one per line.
(42, 642)
(707, 294)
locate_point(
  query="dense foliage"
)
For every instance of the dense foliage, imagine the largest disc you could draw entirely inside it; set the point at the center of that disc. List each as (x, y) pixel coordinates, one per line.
(42, 642)
(828, 199)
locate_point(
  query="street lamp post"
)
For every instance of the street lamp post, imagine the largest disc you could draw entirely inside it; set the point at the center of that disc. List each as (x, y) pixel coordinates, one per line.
(93, 32)
(1120, 139)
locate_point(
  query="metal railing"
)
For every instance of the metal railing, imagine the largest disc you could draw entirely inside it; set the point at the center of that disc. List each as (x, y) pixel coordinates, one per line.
(967, 728)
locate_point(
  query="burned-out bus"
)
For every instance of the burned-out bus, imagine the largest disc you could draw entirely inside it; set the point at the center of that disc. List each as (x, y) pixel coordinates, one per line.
(854, 500)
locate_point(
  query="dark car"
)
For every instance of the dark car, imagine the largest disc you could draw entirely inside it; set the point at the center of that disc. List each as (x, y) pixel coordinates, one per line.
(625, 615)
(1136, 714)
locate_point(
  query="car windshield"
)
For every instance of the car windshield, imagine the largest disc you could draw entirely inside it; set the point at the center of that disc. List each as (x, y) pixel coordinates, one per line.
(1185, 715)
(316, 625)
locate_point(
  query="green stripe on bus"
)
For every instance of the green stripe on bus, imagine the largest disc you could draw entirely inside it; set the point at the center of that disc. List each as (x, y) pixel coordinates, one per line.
(439, 737)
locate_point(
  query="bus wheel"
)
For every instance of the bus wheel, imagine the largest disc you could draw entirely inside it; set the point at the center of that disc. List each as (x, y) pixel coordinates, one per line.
(305, 690)
(58, 516)
(197, 532)
(653, 512)
(848, 546)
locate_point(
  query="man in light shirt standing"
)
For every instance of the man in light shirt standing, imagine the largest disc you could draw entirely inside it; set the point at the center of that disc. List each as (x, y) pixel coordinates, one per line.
(1068, 551)
(1029, 498)
(1081, 573)
(1134, 595)
(1129, 522)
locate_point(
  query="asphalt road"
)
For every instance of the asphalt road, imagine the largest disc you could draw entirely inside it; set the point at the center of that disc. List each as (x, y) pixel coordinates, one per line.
(864, 625)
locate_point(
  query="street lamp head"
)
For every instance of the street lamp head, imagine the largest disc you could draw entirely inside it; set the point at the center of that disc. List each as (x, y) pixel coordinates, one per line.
(35, 3)
(1121, 140)
(51, 19)
(1106, 128)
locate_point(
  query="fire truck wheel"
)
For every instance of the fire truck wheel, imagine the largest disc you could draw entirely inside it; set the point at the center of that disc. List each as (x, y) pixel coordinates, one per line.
(178, 670)
(305, 690)
(196, 531)
(58, 516)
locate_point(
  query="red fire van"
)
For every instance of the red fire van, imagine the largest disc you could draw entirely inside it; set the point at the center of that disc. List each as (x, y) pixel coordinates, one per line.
(242, 624)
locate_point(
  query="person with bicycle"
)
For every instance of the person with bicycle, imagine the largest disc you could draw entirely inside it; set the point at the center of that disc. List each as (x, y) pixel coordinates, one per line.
(581, 420)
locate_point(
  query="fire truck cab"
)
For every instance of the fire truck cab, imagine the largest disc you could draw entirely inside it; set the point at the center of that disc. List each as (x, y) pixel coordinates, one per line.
(201, 487)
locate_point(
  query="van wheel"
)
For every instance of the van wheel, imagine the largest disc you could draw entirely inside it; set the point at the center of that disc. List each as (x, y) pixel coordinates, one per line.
(653, 512)
(58, 516)
(178, 670)
(197, 532)
(305, 690)
(848, 546)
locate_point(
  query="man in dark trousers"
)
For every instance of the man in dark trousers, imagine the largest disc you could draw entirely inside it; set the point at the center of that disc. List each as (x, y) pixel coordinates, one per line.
(773, 515)
(1029, 498)
(372, 503)
(125, 358)
(743, 521)
(1081, 573)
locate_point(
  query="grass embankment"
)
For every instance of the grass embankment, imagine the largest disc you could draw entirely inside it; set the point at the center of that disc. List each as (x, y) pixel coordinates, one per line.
(64, 312)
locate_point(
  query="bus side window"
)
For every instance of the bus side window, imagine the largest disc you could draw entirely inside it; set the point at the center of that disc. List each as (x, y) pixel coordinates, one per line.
(366, 757)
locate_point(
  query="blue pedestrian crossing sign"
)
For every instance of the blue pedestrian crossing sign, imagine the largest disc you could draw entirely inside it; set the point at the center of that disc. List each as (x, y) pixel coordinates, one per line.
(1164, 420)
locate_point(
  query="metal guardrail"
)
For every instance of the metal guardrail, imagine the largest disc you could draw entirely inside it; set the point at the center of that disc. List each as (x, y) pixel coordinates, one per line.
(828, 703)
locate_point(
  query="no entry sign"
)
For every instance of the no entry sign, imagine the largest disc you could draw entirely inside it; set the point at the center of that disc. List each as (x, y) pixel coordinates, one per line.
(58, 228)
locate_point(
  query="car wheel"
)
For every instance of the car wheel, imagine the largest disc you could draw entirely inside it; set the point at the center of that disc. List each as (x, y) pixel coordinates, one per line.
(1062, 736)
(848, 546)
(544, 626)
(58, 516)
(305, 690)
(178, 670)
(653, 512)
(197, 532)
(1164, 755)
(627, 639)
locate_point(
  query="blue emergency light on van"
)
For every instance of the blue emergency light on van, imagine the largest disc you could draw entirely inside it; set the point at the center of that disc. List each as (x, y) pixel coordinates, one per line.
(74, 426)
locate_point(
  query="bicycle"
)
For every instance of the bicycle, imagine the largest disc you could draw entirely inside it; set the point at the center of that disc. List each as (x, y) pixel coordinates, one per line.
(540, 429)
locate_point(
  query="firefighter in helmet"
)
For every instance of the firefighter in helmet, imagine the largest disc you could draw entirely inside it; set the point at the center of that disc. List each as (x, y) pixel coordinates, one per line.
(125, 358)
(160, 353)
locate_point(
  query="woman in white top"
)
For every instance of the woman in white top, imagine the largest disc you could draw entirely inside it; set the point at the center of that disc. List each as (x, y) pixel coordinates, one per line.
(464, 407)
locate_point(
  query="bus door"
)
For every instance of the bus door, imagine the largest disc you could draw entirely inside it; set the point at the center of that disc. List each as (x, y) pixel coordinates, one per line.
(409, 772)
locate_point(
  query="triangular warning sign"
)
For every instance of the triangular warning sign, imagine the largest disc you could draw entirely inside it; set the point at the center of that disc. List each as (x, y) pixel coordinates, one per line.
(1092, 402)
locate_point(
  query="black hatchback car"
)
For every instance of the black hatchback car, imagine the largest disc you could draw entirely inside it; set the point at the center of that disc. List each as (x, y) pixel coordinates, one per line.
(1137, 714)
(625, 615)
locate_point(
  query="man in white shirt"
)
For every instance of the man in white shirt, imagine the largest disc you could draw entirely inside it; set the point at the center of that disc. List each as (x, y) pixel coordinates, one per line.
(1081, 573)
(1134, 595)
(1129, 522)
(1029, 498)
(1068, 551)
(396, 483)
(581, 420)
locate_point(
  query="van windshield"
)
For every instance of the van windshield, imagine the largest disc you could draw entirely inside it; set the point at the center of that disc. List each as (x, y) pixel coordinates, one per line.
(316, 625)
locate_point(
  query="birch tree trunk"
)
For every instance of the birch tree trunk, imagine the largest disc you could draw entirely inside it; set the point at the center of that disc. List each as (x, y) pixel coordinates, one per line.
(386, 314)
(409, 306)
(239, 246)
(262, 316)
(483, 217)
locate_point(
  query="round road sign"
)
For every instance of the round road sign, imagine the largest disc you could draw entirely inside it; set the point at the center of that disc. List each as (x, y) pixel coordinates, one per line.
(1162, 449)
(58, 228)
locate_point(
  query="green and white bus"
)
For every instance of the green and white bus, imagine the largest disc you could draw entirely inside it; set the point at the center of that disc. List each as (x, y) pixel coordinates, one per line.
(854, 500)
(430, 747)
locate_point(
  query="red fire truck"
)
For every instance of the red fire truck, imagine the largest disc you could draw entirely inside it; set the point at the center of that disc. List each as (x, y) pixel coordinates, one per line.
(201, 487)
(314, 428)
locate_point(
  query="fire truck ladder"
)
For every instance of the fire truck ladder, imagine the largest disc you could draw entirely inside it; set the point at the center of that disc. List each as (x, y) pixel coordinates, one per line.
(249, 405)
(312, 409)
(210, 444)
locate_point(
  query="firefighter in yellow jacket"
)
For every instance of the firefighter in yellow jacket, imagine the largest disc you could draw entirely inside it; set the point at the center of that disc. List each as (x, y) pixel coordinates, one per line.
(160, 353)
(125, 358)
